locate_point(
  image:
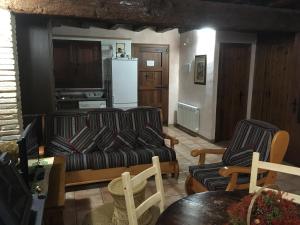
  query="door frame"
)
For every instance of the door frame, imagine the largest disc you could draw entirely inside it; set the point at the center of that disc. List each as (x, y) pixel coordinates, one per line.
(167, 71)
(218, 103)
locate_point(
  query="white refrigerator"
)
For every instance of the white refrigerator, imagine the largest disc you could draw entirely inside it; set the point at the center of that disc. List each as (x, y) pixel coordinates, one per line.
(124, 83)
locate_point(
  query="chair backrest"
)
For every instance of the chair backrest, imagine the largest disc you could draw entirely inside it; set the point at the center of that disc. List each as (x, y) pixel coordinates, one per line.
(256, 165)
(158, 198)
(251, 135)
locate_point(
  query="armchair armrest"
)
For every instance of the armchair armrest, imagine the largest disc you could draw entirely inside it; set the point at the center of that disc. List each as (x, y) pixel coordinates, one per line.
(234, 171)
(202, 153)
(229, 170)
(173, 141)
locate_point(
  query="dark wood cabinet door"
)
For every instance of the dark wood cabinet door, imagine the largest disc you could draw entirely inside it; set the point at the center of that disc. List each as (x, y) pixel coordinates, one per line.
(233, 81)
(77, 64)
(153, 76)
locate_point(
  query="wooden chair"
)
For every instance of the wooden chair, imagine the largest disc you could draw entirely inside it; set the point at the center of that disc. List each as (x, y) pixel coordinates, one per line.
(158, 198)
(256, 169)
(262, 137)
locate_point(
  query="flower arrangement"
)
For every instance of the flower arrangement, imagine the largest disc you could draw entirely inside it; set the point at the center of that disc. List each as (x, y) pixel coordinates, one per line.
(269, 208)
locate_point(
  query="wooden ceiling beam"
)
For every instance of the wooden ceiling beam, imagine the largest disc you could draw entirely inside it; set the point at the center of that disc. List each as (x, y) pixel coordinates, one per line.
(163, 29)
(162, 13)
(138, 28)
(282, 3)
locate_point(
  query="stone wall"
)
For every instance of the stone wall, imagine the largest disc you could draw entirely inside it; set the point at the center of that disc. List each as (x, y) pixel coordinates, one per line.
(10, 107)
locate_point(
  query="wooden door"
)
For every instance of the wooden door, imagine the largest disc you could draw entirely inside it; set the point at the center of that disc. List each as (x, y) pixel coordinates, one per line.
(293, 105)
(153, 76)
(276, 88)
(234, 67)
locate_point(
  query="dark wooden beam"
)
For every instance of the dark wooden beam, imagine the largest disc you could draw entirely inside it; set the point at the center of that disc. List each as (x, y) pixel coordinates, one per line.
(163, 29)
(163, 13)
(138, 28)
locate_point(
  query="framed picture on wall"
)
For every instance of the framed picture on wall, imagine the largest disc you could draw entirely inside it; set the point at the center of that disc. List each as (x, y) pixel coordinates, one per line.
(120, 49)
(200, 69)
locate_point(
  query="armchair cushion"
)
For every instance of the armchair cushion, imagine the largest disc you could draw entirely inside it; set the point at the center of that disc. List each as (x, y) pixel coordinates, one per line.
(242, 158)
(251, 133)
(208, 175)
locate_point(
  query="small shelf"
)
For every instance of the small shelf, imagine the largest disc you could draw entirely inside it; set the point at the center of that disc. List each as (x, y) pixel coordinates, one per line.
(80, 99)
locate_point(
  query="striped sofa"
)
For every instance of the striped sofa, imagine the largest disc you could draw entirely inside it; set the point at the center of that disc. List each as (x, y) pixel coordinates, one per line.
(97, 162)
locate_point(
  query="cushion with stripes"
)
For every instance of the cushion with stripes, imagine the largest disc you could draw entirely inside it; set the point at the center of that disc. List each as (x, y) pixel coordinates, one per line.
(59, 145)
(150, 137)
(104, 137)
(242, 158)
(125, 138)
(82, 141)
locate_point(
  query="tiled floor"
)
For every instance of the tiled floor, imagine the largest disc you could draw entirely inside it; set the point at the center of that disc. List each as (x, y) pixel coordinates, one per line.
(79, 203)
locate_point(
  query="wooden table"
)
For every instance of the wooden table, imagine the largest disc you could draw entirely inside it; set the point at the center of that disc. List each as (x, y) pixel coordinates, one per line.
(52, 188)
(207, 208)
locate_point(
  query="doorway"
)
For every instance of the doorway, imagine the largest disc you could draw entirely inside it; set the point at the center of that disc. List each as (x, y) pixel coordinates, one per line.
(153, 76)
(233, 81)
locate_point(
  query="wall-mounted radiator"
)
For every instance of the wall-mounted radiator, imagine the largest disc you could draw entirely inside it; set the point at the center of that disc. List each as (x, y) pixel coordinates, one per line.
(188, 116)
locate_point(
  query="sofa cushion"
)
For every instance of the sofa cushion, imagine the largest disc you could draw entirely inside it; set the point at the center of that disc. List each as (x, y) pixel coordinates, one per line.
(125, 138)
(104, 137)
(114, 119)
(139, 118)
(122, 157)
(83, 141)
(64, 124)
(150, 137)
(59, 146)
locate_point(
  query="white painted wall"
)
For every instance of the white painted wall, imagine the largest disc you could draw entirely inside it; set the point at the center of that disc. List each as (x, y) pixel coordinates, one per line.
(147, 36)
(198, 42)
(206, 41)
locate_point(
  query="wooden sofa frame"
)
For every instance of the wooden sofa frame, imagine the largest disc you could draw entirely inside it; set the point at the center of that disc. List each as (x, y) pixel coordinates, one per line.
(278, 149)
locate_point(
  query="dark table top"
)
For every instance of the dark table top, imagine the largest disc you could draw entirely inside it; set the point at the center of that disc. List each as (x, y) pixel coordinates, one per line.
(207, 208)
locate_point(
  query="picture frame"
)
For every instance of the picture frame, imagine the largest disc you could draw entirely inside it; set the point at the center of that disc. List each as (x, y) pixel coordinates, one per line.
(200, 69)
(120, 50)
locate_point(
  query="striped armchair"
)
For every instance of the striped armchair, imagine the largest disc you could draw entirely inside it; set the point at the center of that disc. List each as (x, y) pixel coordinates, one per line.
(234, 169)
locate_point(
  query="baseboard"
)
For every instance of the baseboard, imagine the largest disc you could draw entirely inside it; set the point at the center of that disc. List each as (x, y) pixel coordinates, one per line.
(192, 133)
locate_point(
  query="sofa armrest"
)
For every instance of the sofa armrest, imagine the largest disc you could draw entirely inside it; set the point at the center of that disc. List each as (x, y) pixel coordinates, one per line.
(173, 141)
(202, 153)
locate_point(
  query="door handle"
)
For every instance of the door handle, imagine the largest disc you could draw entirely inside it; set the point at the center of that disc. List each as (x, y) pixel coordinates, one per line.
(296, 108)
(241, 96)
(294, 104)
(298, 111)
